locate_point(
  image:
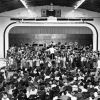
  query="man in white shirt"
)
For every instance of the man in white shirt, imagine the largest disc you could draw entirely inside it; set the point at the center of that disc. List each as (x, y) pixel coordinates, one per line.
(52, 51)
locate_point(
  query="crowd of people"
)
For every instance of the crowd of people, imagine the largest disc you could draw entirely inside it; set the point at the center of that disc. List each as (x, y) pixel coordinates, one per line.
(58, 71)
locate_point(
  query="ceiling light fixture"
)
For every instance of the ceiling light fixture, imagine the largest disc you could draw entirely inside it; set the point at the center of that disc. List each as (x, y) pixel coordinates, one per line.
(79, 3)
(24, 3)
(26, 6)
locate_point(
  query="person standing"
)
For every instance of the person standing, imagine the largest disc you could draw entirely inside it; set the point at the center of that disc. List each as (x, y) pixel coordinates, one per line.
(98, 68)
(52, 51)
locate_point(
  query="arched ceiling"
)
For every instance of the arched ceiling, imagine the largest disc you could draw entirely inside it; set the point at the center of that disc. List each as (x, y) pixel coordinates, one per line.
(7, 5)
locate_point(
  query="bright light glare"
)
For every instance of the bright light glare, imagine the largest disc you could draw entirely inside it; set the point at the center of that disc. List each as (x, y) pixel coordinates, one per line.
(74, 14)
(79, 3)
(26, 6)
(70, 14)
(24, 3)
(30, 12)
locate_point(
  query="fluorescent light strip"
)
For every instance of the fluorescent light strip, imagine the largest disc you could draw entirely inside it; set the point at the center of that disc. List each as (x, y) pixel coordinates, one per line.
(79, 3)
(24, 3)
(26, 6)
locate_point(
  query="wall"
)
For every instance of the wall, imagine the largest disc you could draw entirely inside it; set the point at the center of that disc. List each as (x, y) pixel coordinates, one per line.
(36, 11)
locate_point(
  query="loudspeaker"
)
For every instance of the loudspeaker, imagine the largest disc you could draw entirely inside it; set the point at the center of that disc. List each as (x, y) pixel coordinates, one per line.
(57, 13)
(43, 13)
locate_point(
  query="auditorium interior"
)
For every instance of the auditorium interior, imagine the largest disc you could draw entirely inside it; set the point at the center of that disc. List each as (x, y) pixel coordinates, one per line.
(49, 50)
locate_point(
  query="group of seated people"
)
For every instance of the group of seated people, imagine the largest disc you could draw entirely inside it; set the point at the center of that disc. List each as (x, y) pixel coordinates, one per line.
(51, 72)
